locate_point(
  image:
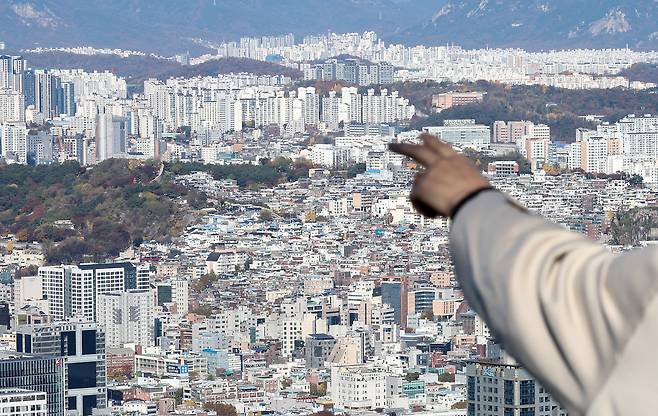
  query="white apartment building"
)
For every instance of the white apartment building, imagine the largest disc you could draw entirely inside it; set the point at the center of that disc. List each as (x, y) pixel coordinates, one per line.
(376, 161)
(575, 155)
(513, 131)
(211, 106)
(82, 293)
(21, 402)
(360, 291)
(641, 143)
(536, 151)
(26, 289)
(634, 123)
(339, 207)
(291, 332)
(595, 154)
(13, 140)
(630, 145)
(358, 387)
(539, 131)
(462, 132)
(11, 72)
(54, 288)
(157, 97)
(12, 106)
(158, 363)
(224, 261)
(26, 257)
(295, 326)
(180, 295)
(86, 84)
(330, 156)
(72, 291)
(232, 322)
(110, 136)
(647, 167)
(127, 317)
(139, 407)
(219, 104)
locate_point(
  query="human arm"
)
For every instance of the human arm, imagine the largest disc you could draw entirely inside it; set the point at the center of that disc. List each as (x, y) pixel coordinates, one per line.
(562, 305)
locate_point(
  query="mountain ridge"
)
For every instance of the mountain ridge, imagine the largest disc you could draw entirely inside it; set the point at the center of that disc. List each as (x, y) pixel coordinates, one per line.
(545, 24)
(170, 26)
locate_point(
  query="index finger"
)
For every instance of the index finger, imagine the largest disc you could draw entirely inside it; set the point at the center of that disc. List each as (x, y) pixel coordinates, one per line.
(433, 142)
(422, 154)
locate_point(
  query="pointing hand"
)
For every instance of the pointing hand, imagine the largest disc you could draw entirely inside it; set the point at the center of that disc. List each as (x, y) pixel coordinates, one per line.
(448, 177)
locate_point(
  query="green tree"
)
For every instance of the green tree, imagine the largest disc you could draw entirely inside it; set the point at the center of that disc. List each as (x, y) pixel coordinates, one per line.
(427, 314)
(203, 310)
(285, 383)
(411, 376)
(459, 405)
(636, 180)
(319, 389)
(356, 169)
(178, 395)
(447, 378)
(204, 282)
(265, 215)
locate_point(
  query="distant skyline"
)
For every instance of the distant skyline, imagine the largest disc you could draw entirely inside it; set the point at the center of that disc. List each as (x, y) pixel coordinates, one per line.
(170, 27)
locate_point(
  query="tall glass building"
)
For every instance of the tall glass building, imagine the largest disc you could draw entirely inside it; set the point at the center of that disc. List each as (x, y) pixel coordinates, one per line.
(35, 373)
(81, 349)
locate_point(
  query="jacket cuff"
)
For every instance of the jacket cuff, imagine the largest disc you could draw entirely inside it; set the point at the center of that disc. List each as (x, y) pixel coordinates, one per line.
(469, 198)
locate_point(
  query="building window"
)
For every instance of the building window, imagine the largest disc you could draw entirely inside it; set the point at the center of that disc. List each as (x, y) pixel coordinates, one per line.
(527, 392)
(509, 392)
(68, 343)
(471, 388)
(88, 404)
(82, 375)
(89, 342)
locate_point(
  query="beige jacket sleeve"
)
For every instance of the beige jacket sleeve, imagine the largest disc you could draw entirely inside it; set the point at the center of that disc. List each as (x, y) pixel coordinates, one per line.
(563, 306)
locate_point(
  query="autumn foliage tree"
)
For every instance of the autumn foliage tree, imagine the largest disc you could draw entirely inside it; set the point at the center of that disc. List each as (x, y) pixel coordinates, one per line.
(222, 409)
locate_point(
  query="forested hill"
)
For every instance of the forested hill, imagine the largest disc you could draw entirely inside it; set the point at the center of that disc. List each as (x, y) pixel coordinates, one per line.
(559, 108)
(642, 72)
(137, 69)
(94, 213)
(110, 205)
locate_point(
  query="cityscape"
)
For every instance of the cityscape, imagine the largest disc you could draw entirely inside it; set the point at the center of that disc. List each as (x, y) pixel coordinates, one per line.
(239, 240)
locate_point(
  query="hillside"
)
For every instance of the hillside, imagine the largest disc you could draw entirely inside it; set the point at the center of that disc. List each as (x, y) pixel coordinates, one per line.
(109, 206)
(633, 226)
(558, 108)
(170, 26)
(642, 72)
(94, 213)
(136, 69)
